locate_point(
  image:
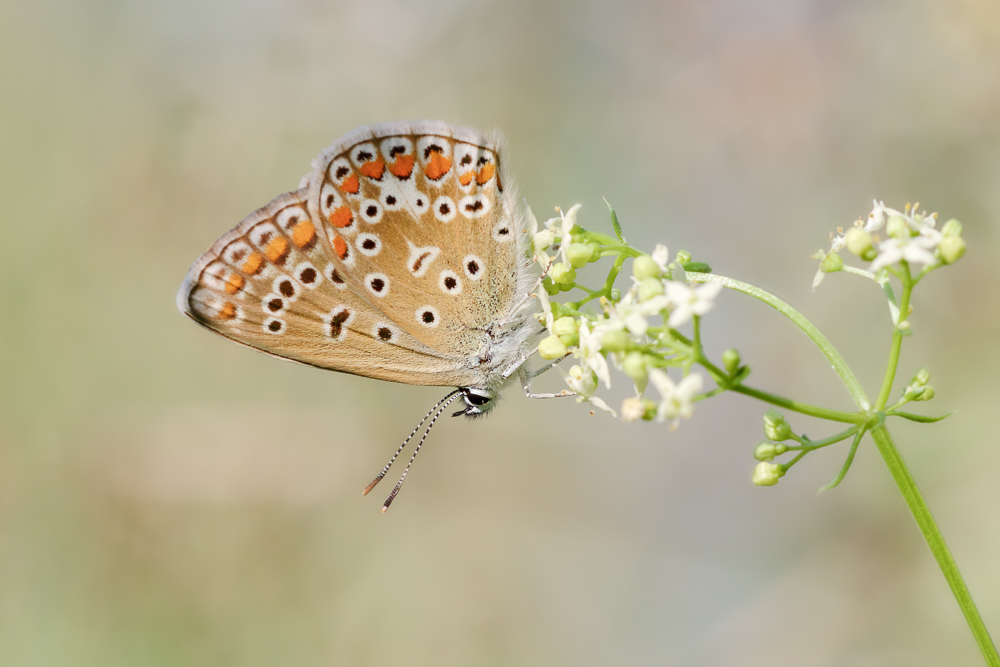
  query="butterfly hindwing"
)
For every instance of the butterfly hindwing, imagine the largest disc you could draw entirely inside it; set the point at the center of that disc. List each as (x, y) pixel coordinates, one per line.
(418, 223)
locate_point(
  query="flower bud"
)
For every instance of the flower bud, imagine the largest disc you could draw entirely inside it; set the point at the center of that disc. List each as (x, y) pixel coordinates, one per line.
(635, 365)
(869, 255)
(767, 474)
(775, 426)
(731, 360)
(563, 326)
(765, 451)
(562, 274)
(951, 249)
(580, 254)
(921, 377)
(616, 294)
(926, 394)
(897, 227)
(858, 241)
(650, 287)
(683, 257)
(550, 288)
(634, 409)
(551, 347)
(644, 267)
(832, 263)
(952, 228)
(615, 341)
(570, 340)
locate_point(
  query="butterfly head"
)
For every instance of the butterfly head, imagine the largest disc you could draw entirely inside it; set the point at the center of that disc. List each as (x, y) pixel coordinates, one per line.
(478, 401)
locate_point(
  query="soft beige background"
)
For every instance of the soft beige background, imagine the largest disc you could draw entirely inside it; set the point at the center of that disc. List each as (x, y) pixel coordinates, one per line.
(168, 498)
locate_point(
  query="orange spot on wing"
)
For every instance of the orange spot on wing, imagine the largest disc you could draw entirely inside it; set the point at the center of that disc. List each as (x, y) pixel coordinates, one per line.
(402, 167)
(351, 185)
(277, 249)
(234, 283)
(253, 265)
(466, 178)
(485, 174)
(437, 166)
(373, 168)
(341, 217)
(228, 311)
(303, 234)
(340, 247)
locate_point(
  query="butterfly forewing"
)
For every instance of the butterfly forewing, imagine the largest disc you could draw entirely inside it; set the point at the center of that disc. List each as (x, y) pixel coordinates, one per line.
(270, 284)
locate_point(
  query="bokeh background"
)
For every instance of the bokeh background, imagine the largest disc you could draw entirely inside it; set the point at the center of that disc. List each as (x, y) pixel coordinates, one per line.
(168, 498)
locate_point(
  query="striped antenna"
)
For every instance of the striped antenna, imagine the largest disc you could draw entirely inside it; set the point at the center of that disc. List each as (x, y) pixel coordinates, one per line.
(405, 442)
(445, 402)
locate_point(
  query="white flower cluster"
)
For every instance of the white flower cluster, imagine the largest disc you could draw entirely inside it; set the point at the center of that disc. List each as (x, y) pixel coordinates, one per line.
(654, 300)
(912, 237)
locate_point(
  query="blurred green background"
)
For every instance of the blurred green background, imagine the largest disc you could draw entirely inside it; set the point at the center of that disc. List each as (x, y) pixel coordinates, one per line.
(168, 498)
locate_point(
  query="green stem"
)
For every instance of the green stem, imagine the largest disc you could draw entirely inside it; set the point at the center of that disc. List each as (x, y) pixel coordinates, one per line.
(847, 463)
(807, 327)
(804, 408)
(897, 337)
(935, 541)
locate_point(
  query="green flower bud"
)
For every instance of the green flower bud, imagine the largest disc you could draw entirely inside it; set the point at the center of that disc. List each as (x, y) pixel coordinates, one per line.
(926, 394)
(580, 254)
(635, 365)
(562, 274)
(952, 228)
(616, 294)
(832, 263)
(683, 257)
(775, 426)
(765, 451)
(951, 249)
(615, 341)
(550, 288)
(650, 287)
(921, 377)
(897, 227)
(644, 267)
(565, 287)
(731, 360)
(563, 326)
(869, 255)
(570, 339)
(858, 241)
(551, 347)
(767, 474)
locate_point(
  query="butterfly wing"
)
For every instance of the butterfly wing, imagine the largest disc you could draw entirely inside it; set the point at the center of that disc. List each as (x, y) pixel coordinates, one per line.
(419, 222)
(401, 257)
(270, 284)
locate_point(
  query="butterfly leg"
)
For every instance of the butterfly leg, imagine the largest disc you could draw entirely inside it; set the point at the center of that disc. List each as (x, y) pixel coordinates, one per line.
(526, 377)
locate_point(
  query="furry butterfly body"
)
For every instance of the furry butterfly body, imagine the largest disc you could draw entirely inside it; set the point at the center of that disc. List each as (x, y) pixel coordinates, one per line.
(401, 257)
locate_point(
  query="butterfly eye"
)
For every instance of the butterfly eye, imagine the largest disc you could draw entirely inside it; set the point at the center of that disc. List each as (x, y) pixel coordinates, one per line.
(476, 399)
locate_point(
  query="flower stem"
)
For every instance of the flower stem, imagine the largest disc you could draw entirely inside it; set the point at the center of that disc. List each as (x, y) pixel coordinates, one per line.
(807, 327)
(804, 408)
(897, 337)
(935, 541)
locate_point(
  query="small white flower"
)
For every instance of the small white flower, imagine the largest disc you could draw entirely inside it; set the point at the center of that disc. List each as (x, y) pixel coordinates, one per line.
(631, 314)
(676, 397)
(661, 256)
(876, 218)
(584, 383)
(543, 298)
(687, 301)
(915, 249)
(589, 352)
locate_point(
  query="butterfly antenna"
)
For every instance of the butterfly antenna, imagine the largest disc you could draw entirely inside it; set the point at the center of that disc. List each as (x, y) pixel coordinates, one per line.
(445, 402)
(405, 442)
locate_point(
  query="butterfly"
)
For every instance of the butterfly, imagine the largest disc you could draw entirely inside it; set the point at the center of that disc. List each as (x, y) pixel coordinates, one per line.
(402, 256)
